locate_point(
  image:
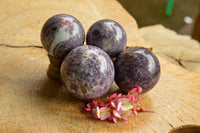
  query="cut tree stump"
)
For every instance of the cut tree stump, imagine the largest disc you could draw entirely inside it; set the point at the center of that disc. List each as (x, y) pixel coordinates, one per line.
(31, 102)
(178, 49)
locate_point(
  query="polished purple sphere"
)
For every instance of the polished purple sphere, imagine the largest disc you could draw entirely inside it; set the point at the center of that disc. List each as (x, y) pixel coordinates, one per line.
(87, 72)
(107, 35)
(61, 33)
(136, 67)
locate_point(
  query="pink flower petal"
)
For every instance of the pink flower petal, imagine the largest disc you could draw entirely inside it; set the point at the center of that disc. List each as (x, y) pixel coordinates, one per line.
(125, 113)
(116, 114)
(135, 112)
(133, 99)
(139, 90)
(89, 105)
(119, 106)
(132, 91)
(119, 95)
(126, 108)
(88, 109)
(126, 103)
(135, 91)
(96, 113)
(114, 119)
(125, 118)
(123, 100)
(113, 95)
(106, 105)
(104, 113)
(110, 98)
(112, 104)
(103, 117)
(138, 100)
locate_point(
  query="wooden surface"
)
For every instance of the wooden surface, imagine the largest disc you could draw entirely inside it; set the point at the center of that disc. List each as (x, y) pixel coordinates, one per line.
(21, 21)
(31, 102)
(177, 49)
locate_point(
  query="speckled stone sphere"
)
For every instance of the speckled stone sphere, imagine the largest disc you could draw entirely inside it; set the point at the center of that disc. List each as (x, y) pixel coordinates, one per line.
(136, 67)
(61, 33)
(107, 35)
(87, 72)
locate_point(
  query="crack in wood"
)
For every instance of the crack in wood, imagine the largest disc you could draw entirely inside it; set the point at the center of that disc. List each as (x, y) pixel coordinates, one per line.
(180, 119)
(171, 125)
(177, 60)
(191, 61)
(28, 46)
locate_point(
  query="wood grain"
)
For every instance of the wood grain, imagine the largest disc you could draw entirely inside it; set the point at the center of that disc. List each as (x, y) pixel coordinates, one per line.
(21, 21)
(31, 102)
(177, 49)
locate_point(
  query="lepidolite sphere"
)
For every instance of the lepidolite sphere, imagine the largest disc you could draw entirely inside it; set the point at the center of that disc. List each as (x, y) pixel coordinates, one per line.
(136, 67)
(61, 33)
(107, 35)
(87, 72)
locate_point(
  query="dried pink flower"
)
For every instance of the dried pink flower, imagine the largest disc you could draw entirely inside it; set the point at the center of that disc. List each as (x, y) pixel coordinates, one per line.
(113, 97)
(126, 103)
(101, 113)
(93, 104)
(118, 107)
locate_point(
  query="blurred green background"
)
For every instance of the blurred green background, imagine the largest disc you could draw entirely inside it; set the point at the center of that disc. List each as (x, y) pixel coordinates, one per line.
(150, 12)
